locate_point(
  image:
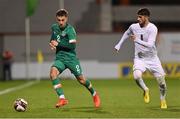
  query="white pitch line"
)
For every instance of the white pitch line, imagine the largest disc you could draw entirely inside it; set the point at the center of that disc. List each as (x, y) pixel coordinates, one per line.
(18, 87)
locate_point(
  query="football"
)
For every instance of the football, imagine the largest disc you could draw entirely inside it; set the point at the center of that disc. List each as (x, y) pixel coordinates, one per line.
(20, 105)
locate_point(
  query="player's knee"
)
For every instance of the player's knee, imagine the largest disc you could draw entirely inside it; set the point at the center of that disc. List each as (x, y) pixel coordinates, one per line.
(137, 74)
(53, 73)
(81, 79)
(53, 76)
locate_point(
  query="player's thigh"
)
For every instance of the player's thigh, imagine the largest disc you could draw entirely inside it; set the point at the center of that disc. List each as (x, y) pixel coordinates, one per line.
(59, 65)
(139, 65)
(75, 67)
(156, 68)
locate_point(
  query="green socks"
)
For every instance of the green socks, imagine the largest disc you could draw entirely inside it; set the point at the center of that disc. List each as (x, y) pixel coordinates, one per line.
(57, 86)
(88, 85)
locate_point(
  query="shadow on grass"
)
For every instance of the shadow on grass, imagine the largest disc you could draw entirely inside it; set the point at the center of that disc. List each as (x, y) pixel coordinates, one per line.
(173, 108)
(86, 110)
(169, 109)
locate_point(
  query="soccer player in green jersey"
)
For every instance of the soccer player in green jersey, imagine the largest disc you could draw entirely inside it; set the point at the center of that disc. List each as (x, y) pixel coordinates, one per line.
(63, 41)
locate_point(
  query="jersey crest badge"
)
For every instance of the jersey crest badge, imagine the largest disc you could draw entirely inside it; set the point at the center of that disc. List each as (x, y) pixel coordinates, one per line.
(63, 34)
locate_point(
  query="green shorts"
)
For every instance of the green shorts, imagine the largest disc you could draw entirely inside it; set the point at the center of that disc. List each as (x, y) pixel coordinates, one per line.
(72, 64)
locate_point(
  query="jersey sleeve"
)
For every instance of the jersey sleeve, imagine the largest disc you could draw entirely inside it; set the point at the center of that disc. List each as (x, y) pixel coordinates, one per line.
(72, 35)
(53, 36)
(151, 39)
(53, 33)
(124, 37)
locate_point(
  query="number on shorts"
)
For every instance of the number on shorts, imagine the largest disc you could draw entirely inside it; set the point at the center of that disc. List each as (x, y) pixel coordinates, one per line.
(77, 68)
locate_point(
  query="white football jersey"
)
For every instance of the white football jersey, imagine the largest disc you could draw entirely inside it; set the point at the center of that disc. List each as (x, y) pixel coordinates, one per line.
(145, 40)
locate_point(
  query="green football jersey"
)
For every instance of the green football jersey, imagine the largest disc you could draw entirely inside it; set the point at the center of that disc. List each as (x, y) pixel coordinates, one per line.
(64, 37)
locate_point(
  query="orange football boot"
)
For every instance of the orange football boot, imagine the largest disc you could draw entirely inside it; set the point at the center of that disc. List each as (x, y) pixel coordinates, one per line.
(96, 100)
(61, 102)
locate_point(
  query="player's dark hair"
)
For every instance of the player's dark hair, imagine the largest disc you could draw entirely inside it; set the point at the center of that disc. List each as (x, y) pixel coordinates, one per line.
(144, 12)
(62, 12)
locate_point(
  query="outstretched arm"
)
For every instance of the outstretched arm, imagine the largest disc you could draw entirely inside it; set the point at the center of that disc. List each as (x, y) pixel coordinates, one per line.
(124, 37)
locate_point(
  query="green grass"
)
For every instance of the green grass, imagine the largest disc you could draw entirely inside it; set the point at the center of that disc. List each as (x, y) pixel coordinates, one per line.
(120, 99)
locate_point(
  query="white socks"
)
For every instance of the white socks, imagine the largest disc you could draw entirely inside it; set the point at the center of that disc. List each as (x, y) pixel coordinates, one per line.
(162, 87)
(138, 78)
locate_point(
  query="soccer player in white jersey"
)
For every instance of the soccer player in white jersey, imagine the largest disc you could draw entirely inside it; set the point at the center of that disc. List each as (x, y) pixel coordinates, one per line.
(143, 34)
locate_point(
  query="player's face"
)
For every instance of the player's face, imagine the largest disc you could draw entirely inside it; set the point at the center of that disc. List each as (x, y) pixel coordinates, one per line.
(62, 20)
(141, 20)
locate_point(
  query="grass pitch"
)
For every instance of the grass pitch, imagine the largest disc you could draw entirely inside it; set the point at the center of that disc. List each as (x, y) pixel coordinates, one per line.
(120, 99)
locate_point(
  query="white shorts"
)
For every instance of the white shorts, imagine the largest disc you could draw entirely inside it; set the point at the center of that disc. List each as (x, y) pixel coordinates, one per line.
(153, 65)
